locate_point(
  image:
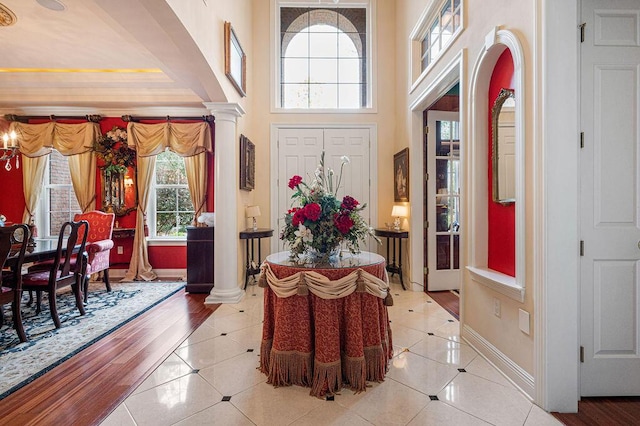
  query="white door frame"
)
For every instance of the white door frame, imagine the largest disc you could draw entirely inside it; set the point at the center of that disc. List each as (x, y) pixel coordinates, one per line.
(556, 132)
(439, 86)
(373, 168)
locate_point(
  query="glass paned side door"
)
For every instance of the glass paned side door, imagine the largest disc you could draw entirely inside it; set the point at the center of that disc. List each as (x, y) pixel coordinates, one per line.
(443, 200)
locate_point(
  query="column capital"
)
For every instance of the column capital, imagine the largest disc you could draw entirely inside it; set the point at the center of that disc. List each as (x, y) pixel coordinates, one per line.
(230, 109)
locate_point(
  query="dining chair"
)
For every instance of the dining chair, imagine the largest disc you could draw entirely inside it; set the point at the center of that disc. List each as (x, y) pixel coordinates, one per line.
(13, 243)
(99, 245)
(63, 272)
(98, 248)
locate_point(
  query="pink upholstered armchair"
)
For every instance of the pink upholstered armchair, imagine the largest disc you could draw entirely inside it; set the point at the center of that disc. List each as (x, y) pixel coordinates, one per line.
(99, 244)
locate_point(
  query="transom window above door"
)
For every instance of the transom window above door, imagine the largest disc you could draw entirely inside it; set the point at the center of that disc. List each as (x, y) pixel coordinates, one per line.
(323, 58)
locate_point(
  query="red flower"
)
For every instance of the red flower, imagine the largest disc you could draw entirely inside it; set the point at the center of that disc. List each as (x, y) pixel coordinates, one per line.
(295, 181)
(312, 211)
(343, 222)
(298, 217)
(349, 203)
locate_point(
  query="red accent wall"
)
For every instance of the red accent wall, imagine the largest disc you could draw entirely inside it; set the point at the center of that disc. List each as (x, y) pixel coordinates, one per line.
(161, 257)
(501, 218)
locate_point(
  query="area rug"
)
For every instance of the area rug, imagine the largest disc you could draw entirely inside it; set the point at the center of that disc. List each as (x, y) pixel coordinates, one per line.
(21, 363)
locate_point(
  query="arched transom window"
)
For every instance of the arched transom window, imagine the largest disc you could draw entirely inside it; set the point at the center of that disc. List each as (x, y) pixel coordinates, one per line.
(323, 58)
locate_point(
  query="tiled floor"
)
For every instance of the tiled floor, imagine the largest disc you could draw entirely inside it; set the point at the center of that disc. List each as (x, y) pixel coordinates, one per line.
(433, 379)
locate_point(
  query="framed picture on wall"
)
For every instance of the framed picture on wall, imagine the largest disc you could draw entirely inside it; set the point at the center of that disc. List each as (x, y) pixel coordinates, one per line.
(401, 176)
(235, 61)
(247, 164)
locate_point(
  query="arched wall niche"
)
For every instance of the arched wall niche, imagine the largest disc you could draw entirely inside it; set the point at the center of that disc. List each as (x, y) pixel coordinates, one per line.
(511, 286)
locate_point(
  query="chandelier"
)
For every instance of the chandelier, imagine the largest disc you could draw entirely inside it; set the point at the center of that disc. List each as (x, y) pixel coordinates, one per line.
(9, 150)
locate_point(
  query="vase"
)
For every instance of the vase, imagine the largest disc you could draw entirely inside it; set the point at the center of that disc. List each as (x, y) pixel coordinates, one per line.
(329, 256)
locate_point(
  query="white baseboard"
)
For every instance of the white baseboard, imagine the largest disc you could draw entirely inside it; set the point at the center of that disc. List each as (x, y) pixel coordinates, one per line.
(180, 274)
(512, 371)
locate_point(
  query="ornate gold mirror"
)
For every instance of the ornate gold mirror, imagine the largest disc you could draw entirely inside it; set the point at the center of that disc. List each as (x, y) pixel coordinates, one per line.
(119, 191)
(117, 163)
(504, 147)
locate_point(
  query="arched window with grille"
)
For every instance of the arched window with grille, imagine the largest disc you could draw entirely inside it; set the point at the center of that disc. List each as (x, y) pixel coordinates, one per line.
(323, 58)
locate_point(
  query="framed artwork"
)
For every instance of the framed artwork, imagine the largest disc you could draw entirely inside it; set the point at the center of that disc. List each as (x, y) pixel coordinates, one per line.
(235, 61)
(401, 176)
(247, 164)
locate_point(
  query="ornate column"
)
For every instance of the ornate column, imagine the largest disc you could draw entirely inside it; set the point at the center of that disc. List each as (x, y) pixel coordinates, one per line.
(225, 262)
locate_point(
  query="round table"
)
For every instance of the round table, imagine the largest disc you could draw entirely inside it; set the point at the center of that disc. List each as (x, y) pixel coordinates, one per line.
(325, 326)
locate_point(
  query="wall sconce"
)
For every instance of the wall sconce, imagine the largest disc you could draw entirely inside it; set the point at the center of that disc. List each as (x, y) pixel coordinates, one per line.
(253, 212)
(397, 212)
(10, 149)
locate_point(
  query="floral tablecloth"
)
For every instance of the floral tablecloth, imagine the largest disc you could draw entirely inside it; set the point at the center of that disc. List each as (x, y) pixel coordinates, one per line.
(325, 326)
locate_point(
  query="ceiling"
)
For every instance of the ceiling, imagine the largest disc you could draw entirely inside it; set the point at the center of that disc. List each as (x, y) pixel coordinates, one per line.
(106, 57)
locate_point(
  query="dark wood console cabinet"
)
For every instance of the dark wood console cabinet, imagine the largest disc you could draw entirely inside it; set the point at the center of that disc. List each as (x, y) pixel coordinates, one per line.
(199, 259)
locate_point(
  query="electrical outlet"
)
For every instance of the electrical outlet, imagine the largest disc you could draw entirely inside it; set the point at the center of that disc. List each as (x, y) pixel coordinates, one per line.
(496, 307)
(120, 250)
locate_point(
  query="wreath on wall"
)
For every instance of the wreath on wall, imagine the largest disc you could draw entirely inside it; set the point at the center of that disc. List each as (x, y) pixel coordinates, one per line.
(112, 151)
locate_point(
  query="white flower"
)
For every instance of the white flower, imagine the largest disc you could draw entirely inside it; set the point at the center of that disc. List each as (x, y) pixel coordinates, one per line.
(303, 235)
(345, 159)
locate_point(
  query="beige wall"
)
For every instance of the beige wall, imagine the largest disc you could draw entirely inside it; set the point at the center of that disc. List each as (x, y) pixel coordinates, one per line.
(206, 26)
(479, 19)
(385, 118)
(394, 21)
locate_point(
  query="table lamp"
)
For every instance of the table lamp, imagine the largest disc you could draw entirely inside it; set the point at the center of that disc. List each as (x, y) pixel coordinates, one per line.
(397, 212)
(253, 212)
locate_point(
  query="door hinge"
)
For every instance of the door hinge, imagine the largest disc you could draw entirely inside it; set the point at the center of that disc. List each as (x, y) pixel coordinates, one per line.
(426, 130)
(581, 247)
(426, 224)
(426, 176)
(581, 139)
(581, 353)
(426, 271)
(581, 26)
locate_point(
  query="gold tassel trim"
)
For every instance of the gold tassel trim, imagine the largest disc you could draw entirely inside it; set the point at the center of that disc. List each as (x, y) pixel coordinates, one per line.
(290, 368)
(360, 288)
(376, 363)
(355, 373)
(265, 350)
(327, 379)
(262, 281)
(303, 289)
(388, 300)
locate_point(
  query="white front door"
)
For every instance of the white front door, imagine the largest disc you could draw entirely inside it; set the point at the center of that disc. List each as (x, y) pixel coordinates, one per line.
(610, 198)
(299, 151)
(443, 200)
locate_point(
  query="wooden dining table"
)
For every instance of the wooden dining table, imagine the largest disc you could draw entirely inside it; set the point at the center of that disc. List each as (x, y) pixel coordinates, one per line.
(325, 326)
(40, 250)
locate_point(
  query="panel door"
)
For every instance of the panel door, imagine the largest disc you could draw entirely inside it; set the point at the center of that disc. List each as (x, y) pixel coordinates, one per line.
(609, 198)
(299, 152)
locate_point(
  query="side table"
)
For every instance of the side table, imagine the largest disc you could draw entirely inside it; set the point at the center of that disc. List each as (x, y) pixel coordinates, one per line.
(393, 235)
(253, 265)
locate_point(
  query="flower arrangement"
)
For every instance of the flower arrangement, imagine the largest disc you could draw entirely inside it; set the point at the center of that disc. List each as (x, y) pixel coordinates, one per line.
(113, 151)
(322, 222)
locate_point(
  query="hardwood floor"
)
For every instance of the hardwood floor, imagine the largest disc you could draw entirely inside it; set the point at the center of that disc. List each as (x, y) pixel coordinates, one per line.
(448, 300)
(603, 412)
(87, 387)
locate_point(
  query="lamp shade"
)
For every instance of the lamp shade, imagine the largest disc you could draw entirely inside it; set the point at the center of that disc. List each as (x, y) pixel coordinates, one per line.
(253, 211)
(399, 211)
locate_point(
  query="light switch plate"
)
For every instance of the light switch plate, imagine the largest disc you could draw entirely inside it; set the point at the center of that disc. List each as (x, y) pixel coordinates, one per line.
(523, 320)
